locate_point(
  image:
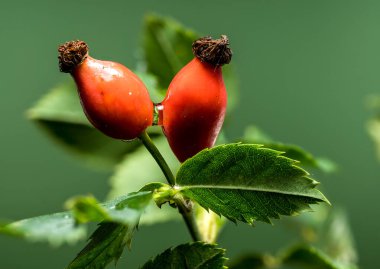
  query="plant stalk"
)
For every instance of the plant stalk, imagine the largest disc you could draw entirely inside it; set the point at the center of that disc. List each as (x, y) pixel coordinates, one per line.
(156, 154)
(186, 213)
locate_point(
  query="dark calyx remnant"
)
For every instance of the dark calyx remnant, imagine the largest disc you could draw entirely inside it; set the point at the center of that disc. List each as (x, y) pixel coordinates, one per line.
(213, 51)
(71, 54)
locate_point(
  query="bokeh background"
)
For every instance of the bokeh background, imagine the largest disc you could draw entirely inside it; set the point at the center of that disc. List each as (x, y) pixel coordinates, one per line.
(305, 69)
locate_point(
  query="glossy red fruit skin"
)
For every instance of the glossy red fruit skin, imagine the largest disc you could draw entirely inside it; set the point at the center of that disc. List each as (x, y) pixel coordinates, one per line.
(113, 98)
(194, 108)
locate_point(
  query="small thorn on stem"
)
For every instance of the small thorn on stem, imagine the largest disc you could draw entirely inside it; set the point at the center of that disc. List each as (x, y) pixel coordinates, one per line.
(71, 54)
(216, 52)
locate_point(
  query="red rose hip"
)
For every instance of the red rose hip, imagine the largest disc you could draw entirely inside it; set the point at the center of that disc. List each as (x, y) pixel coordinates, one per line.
(195, 104)
(113, 98)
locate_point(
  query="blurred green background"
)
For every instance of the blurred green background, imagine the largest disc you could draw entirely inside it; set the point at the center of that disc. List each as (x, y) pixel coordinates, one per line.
(305, 68)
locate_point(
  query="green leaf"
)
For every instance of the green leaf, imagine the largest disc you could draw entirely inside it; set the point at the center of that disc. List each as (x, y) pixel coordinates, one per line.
(68, 227)
(60, 115)
(151, 83)
(255, 135)
(328, 229)
(86, 209)
(232, 86)
(125, 209)
(337, 239)
(192, 255)
(167, 47)
(107, 243)
(307, 257)
(140, 169)
(246, 182)
(56, 229)
(252, 261)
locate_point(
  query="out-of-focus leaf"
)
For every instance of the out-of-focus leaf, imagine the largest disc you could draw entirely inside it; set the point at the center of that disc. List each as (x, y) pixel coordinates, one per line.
(60, 104)
(307, 257)
(151, 83)
(255, 135)
(232, 85)
(373, 128)
(56, 229)
(253, 261)
(209, 224)
(337, 239)
(68, 227)
(192, 255)
(60, 115)
(86, 209)
(328, 229)
(247, 183)
(139, 169)
(167, 47)
(121, 217)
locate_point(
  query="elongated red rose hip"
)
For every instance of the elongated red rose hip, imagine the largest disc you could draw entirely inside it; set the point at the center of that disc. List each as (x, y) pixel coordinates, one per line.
(113, 98)
(195, 104)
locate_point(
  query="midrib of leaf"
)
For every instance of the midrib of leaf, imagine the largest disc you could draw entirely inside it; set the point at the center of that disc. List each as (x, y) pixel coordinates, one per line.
(249, 188)
(209, 259)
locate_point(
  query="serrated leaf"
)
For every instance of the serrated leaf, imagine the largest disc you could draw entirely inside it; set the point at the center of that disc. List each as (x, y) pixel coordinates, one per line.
(307, 257)
(68, 227)
(139, 169)
(107, 243)
(123, 209)
(167, 47)
(56, 229)
(255, 135)
(247, 182)
(192, 255)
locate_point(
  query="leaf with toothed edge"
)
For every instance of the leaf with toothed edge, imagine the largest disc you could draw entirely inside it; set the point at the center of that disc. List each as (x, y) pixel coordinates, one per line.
(255, 135)
(106, 244)
(191, 255)
(247, 182)
(70, 226)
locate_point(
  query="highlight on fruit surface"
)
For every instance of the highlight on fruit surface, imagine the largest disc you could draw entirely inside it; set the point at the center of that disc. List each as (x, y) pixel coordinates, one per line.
(113, 98)
(193, 110)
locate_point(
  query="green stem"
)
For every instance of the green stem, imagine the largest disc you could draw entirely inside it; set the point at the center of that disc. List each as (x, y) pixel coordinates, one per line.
(189, 219)
(156, 154)
(186, 213)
